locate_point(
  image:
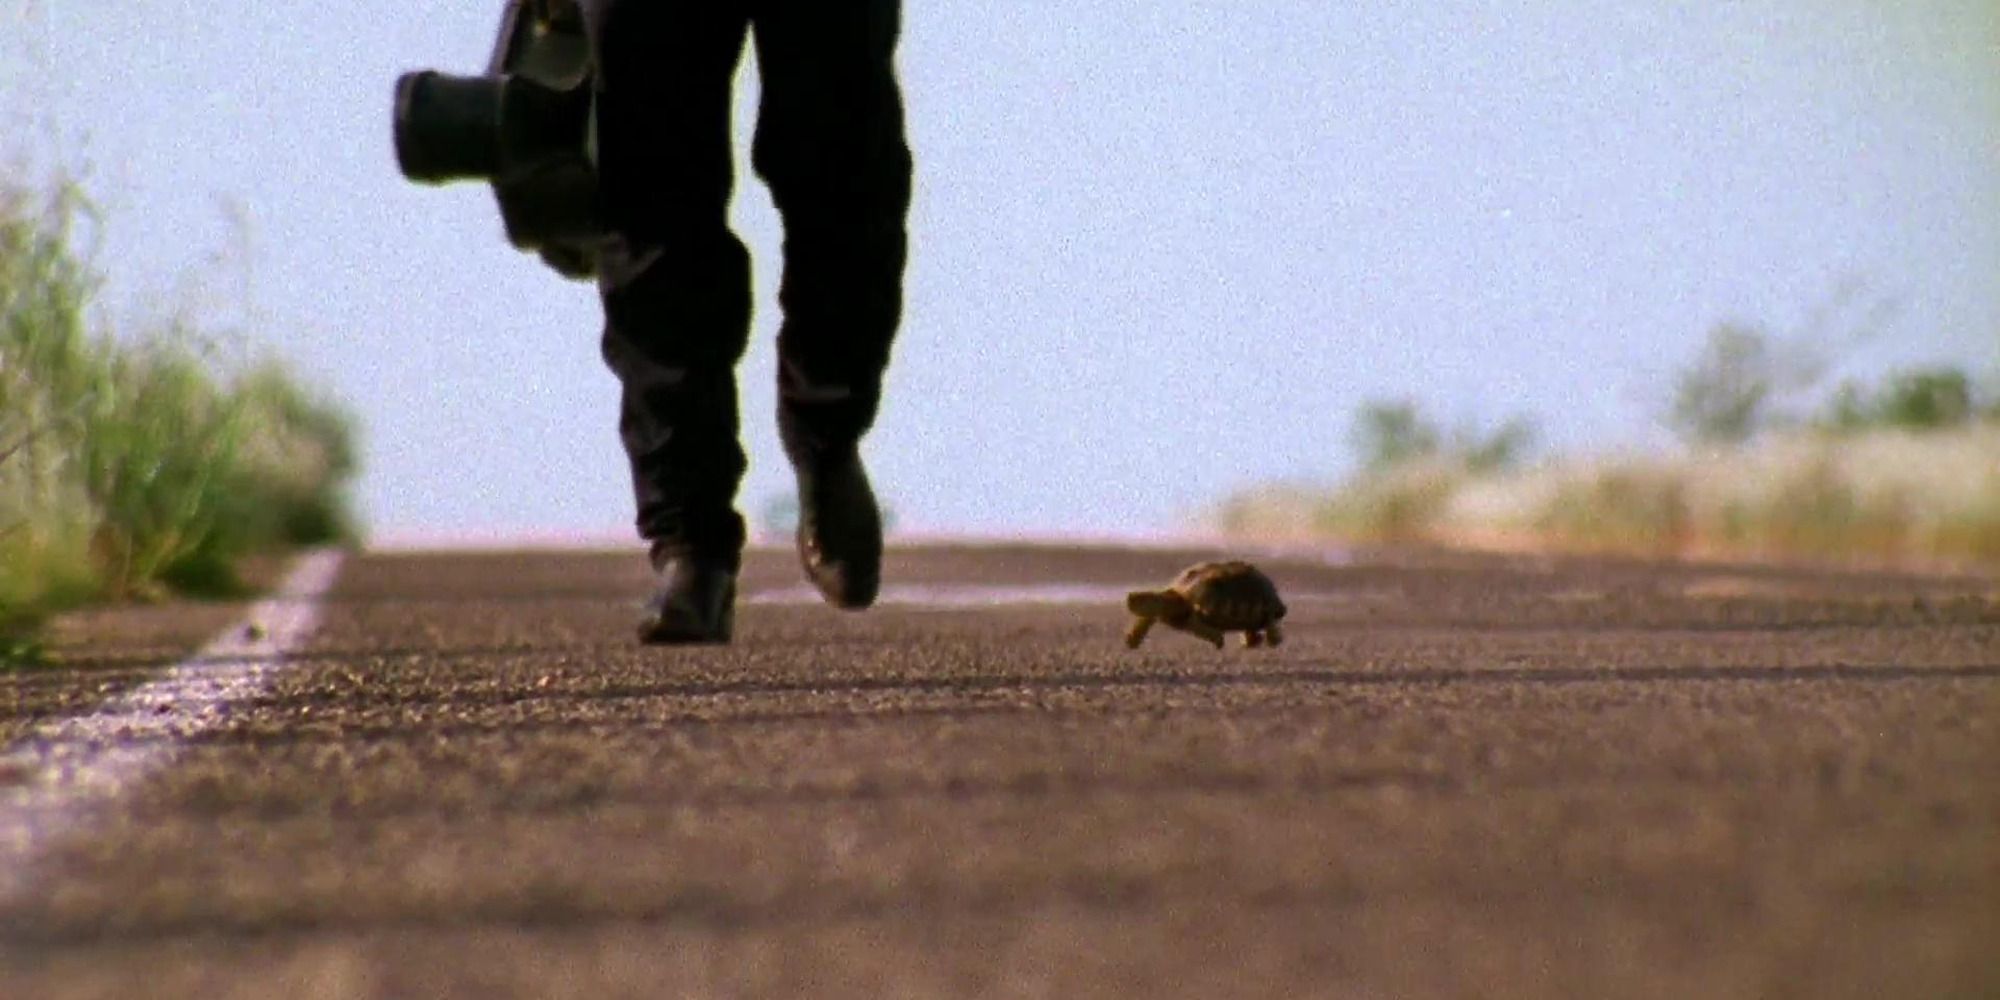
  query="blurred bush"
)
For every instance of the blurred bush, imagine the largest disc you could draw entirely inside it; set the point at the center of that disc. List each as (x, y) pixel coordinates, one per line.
(1391, 434)
(1920, 400)
(133, 465)
(1907, 468)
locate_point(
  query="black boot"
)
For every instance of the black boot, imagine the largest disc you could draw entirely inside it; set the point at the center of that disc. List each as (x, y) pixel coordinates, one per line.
(695, 601)
(840, 529)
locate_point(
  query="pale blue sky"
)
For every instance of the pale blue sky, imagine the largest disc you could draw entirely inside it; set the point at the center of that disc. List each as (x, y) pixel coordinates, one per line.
(1160, 251)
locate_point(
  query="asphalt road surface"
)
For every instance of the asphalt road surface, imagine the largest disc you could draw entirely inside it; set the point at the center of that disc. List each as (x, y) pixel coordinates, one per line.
(1460, 776)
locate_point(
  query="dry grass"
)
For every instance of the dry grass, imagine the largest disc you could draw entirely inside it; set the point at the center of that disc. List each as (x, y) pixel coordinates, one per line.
(1882, 497)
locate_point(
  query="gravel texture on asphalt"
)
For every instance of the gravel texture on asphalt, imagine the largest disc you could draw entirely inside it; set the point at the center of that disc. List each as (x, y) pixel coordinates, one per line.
(1460, 776)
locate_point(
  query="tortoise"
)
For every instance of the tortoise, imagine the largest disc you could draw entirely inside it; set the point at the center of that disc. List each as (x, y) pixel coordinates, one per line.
(1209, 599)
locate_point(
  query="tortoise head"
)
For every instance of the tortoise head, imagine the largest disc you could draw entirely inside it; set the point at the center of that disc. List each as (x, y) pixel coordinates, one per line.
(1166, 605)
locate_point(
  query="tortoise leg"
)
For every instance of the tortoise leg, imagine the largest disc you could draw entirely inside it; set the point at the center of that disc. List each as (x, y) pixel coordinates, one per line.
(1252, 638)
(1272, 635)
(1136, 634)
(1206, 631)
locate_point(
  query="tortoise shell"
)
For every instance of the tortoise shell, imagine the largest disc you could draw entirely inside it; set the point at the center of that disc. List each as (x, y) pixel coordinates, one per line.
(1230, 595)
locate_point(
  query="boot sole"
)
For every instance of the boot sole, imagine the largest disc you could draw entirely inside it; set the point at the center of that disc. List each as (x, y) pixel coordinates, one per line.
(687, 630)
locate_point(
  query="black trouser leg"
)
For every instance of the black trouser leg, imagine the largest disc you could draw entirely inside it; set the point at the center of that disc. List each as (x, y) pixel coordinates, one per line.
(676, 282)
(830, 145)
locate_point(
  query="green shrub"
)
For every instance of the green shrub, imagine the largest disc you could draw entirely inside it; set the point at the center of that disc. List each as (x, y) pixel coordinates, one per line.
(134, 465)
(46, 374)
(295, 442)
(1924, 399)
(156, 451)
(1386, 435)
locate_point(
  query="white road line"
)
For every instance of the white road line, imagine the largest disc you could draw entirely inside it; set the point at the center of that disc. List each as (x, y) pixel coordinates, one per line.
(945, 596)
(52, 779)
(960, 595)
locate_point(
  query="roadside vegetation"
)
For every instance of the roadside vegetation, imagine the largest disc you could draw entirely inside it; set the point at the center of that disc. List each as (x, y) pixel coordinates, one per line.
(138, 463)
(1771, 463)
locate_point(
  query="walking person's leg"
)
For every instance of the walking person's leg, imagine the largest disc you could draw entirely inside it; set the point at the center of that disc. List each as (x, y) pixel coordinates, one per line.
(675, 285)
(830, 144)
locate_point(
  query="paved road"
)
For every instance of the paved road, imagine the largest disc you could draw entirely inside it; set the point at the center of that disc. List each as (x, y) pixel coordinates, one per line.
(1460, 777)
